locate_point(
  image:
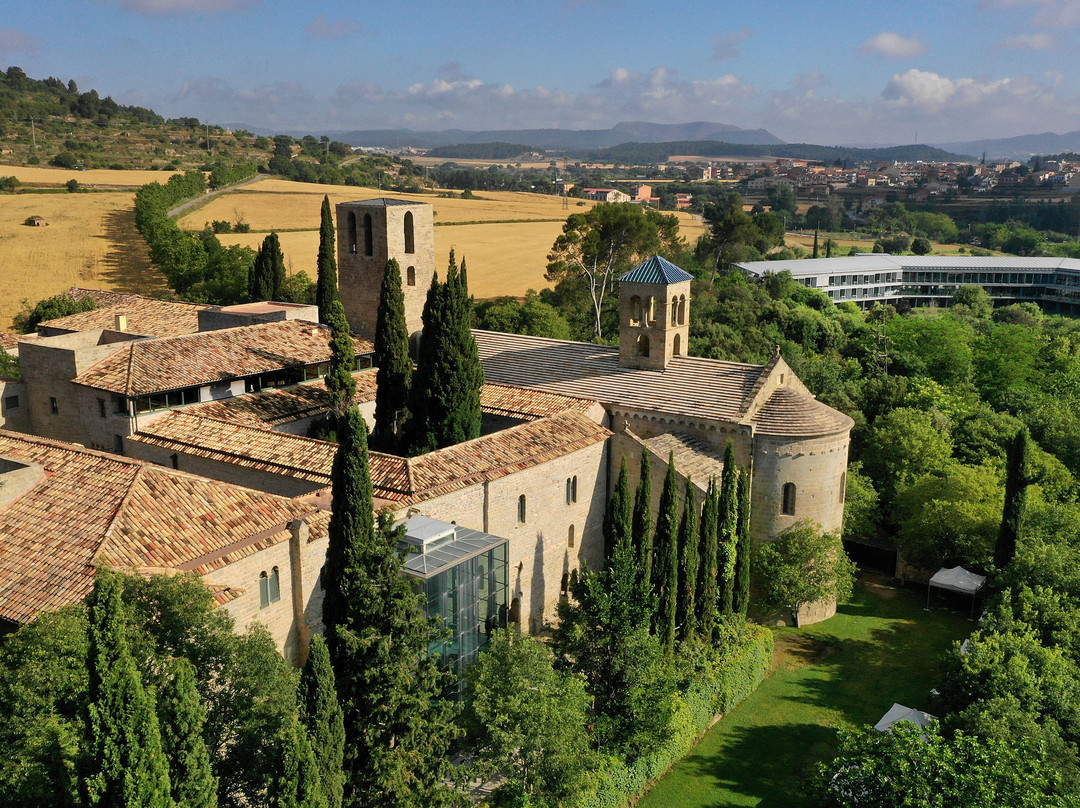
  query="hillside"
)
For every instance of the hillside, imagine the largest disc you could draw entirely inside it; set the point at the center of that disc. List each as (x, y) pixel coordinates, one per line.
(644, 153)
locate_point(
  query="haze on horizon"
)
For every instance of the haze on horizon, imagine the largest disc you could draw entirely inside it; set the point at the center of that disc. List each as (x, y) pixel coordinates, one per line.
(821, 72)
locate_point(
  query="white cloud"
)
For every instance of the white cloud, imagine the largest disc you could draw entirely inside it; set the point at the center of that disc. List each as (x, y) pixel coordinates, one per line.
(173, 6)
(13, 41)
(725, 46)
(1027, 42)
(322, 28)
(1045, 13)
(893, 45)
(930, 92)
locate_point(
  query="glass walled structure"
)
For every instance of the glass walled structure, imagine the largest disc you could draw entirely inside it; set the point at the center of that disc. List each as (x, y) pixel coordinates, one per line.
(464, 577)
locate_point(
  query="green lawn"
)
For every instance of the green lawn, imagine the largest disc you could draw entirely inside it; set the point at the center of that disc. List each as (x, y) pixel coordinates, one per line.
(880, 648)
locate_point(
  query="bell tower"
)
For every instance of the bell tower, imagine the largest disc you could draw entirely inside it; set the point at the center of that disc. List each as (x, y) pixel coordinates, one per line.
(654, 304)
(371, 232)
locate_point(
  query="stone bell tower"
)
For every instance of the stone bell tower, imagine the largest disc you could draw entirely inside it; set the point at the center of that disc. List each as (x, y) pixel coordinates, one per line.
(654, 303)
(369, 234)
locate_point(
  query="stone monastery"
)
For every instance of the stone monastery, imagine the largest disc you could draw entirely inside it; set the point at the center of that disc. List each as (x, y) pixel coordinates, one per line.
(158, 437)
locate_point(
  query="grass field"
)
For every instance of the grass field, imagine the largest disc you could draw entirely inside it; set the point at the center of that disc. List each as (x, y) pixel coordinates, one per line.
(91, 178)
(90, 241)
(847, 671)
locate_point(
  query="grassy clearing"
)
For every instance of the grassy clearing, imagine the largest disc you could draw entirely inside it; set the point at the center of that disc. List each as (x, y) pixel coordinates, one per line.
(806, 241)
(92, 178)
(847, 671)
(90, 241)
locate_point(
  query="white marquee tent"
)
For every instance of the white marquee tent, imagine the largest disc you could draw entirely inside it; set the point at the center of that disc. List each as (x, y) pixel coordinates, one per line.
(956, 579)
(898, 712)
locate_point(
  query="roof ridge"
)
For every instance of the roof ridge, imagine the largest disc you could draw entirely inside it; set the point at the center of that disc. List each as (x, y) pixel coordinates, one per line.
(746, 408)
(107, 534)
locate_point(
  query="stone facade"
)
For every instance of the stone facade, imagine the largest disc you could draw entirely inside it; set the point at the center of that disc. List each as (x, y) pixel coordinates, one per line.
(653, 323)
(370, 233)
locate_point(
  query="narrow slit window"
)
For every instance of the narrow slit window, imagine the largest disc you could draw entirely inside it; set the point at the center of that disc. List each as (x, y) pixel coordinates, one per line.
(789, 499)
(521, 509)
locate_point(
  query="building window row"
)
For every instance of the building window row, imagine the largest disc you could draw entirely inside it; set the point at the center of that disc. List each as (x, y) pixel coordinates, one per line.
(269, 587)
(571, 490)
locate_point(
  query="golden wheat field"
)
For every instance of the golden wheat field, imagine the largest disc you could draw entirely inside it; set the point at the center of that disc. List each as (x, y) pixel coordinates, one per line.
(91, 178)
(90, 241)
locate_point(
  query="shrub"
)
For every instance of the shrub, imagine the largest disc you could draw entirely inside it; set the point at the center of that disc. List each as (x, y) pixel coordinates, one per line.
(72, 186)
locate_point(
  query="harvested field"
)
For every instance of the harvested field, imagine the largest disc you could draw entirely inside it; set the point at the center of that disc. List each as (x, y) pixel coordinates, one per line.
(90, 241)
(92, 178)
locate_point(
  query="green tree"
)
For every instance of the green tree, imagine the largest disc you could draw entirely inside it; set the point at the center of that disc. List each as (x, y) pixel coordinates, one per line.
(862, 516)
(920, 245)
(527, 722)
(641, 525)
(727, 531)
(9, 366)
(531, 316)
(689, 561)
(182, 718)
(268, 273)
(321, 715)
(394, 375)
(50, 308)
(125, 764)
(340, 381)
(903, 445)
(397, 727)
(618, 524)
(597, 246)
(1016, 485)
(801, 567)
(665, 569)
(327, 281)
(730, 229)
(705, 602)
(296, 784)
(744, 545)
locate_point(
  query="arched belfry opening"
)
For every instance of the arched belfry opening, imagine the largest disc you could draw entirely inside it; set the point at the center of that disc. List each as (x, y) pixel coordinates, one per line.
(410, 243)
(643, 345)
(652, 314)
(369, 235)
(351, 233)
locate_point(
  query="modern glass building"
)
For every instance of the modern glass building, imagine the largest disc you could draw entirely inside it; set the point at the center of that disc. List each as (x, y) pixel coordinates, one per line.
(463, 575)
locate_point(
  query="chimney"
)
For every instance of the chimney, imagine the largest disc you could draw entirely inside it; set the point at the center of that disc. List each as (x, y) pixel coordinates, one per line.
(121, 322)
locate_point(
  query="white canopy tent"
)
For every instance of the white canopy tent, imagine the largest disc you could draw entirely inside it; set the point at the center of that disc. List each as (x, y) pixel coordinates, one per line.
(898, 712)
(957, 579)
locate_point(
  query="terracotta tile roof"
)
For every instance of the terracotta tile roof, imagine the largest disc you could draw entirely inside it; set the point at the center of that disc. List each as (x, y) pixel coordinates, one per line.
(145, 315)
(169, 363)
(95, 509)
(9, 340)
(788, 413)
(690, 386)
(397, 479)
(693, 456)
(517, 402)
(282, 405)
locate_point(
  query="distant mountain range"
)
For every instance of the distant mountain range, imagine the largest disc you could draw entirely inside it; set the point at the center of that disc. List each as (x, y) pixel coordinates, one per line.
(1018, 148)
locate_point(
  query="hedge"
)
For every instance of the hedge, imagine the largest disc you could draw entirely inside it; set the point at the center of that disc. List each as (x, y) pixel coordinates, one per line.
(732, 680)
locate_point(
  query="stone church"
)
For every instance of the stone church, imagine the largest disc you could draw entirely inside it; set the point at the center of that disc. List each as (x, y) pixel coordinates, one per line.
(495, 525)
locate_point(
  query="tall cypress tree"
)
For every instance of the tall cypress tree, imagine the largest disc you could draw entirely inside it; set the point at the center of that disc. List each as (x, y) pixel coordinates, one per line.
(321, 715)
(125, 764)
(727, 518)
(689, 560)
(182, 717)
(268, 272)
(641, 528)
(432, 367)
(394, 374)
(340, 381)
(705, 601)
(398, 729)
(665, 568)
(744, 546)
(296, 784)
(617, 525)
(630, 603)
(326, 287)
(464, 417)
(1016, 484)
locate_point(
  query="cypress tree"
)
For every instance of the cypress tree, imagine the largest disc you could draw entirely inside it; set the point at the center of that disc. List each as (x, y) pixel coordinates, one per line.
(665, 569)
(340, 381)
(1016, 483)
(705, 600)
(744, 546)
(297, 782)
(397, 726)
(815, 243)
(689, 560)
(630, 603)
(466, 415)
(182, 718)
(321, 715)
(641, 526)
(617, 521)
(394, 374)
(268, 272)
(126, 766)
(431, 369)
(727, 518)
(326, 287)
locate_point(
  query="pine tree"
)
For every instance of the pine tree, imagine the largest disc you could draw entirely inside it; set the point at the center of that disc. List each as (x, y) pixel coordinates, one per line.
(744, 546)
(268, 273)
(182, 718)
(394, 374)
(617, 520)
(397, 727)
(665, 569)
(689, 560)
(326, 289)
(125, 765)
(1016, 484)
(642, 529)
(727, 518)
(321, 715)
(705, 601)
(340, 381)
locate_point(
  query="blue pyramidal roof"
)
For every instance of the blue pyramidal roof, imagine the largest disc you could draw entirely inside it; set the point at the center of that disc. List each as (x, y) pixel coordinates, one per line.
(656, 270)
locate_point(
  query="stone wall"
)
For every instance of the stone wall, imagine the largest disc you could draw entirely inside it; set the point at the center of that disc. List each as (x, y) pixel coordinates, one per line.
(14, 406)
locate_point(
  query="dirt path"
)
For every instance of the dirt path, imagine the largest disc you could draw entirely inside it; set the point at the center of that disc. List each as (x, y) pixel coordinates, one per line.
(207, 197)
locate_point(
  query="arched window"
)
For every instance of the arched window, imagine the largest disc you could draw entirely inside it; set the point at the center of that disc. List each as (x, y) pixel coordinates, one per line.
(352, 233)
(789, 499)
(635, 310)
(264, 590)
(651, 310)
(675, 311)
(410, 276)
(843, 487)
(369, 235)
(410, 246)
(275, 585)
(571, 490)
(521, 508)
(642, 345)
(677, 345)
(682, 309)
(570, 537)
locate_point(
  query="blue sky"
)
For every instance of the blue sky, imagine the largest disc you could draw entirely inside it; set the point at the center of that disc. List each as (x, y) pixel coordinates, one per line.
(822, 72)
